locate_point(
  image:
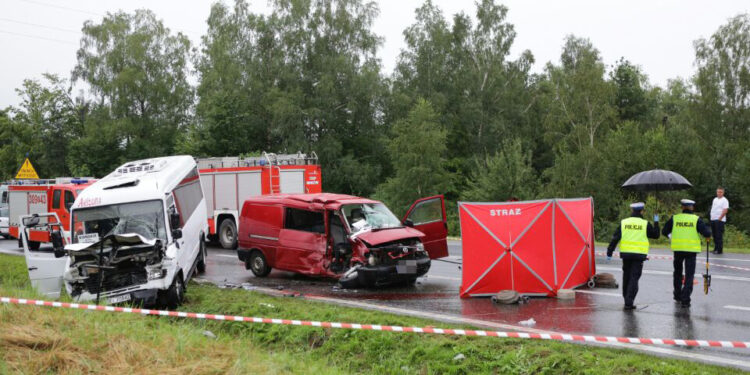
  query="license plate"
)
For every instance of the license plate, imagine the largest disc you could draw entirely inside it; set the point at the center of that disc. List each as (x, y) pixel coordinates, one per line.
(118, 299)
(406, 266)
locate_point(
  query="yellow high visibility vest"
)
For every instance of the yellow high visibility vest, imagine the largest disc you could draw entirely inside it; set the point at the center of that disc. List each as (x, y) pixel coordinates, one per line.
(634, 238)
(685, 233)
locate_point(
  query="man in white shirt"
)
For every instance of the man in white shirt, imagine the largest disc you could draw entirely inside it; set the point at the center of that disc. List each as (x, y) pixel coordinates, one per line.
(719, 210)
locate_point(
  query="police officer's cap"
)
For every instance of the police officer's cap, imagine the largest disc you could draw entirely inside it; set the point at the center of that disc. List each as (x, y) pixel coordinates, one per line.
(637, 206)
(687, 202)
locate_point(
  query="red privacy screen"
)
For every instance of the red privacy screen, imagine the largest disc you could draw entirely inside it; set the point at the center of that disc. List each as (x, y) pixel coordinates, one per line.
(532, 247)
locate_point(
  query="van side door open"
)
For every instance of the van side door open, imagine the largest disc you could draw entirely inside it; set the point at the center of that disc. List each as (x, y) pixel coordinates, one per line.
(302, 240)
(44, 266)
(428, 216)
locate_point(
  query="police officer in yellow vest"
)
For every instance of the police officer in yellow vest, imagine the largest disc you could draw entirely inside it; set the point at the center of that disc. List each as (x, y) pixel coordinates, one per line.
(685, 229)
(633, 234)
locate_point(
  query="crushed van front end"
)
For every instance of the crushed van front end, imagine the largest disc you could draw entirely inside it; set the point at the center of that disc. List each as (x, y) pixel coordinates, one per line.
(130, 270)
(396, 262)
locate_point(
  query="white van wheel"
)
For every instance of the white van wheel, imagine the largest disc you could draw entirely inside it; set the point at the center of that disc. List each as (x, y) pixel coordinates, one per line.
(176, 292)
(201, 266)
(228, 234)
(259, 264)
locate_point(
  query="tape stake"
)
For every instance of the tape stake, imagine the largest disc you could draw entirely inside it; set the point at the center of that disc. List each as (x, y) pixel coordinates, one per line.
(369, 327)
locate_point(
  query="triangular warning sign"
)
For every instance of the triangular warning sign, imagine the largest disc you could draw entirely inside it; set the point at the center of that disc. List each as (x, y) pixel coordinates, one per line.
(27, 171)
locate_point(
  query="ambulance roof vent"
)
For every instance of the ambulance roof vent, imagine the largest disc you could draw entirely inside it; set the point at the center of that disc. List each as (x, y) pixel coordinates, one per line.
(141, 167)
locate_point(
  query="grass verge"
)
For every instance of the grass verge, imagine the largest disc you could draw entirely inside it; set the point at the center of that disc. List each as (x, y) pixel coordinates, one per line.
(46, 340)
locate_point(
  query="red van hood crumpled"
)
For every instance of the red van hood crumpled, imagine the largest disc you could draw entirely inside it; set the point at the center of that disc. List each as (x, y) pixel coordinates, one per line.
(378, 237)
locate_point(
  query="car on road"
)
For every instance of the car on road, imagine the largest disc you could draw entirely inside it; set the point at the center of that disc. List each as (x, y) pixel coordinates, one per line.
(137, 235)
(358, 241)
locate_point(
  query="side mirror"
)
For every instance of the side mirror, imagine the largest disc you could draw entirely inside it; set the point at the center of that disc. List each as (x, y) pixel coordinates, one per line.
(31, 221)
(409, 223)
(174, 220)
(176, 233)
(57, 243)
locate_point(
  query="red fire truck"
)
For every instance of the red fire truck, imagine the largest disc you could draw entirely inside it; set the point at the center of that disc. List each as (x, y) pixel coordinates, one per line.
(39, 196)
(228, 181)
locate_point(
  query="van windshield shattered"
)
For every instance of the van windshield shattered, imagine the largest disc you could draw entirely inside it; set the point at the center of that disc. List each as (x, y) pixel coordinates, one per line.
(144, 218)
(369, 216)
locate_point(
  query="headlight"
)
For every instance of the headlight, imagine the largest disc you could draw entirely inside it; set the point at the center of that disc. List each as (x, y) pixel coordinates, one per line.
(154, 274)
(371, 260)
(420, 246)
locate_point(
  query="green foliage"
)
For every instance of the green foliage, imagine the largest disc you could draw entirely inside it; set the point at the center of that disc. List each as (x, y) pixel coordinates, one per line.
(735, 238)
(137, 71)
(417, 149)
(305, 77)
(506, 174)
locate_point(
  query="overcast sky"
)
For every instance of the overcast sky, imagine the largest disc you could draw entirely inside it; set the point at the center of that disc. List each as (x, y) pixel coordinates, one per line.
(38, 36)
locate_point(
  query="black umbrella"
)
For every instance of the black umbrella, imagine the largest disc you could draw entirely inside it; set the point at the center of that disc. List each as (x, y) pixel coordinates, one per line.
(656, 180)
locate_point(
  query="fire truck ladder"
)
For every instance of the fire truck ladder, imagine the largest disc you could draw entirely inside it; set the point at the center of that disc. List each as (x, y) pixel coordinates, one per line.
(275, 175)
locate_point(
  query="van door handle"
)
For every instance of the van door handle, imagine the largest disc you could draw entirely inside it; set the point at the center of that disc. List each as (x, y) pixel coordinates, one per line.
(33, 268)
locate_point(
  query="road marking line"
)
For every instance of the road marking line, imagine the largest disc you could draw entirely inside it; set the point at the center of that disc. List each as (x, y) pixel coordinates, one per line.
(598, 293)
(737, 307)
(669, 273)
(428, 276)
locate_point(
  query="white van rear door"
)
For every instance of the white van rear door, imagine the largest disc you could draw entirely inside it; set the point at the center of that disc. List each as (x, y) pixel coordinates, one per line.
(45, 271)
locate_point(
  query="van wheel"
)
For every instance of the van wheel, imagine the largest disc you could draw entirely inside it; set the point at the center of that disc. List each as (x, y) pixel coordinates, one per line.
(350, 280)
(228, 234)
(258, 264)
(175, 293)
(201, 266)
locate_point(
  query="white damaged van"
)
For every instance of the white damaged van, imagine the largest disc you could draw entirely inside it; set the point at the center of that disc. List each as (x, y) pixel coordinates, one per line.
(137, 234)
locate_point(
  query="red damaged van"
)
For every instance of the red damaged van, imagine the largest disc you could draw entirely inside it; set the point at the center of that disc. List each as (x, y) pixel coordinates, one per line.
(356, 240)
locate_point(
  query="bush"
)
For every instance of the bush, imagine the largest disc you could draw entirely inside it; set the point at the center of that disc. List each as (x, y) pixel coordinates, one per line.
(734, 237)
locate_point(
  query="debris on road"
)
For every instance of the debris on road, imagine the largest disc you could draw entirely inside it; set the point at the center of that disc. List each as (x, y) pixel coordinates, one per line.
(605, 280)
(506, 297)
(528, 323)
(209, 334)
(459, 357)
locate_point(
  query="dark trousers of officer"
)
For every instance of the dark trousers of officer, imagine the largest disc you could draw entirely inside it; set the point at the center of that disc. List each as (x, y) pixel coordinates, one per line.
(717, 230)
(631, 273)
(682, 291)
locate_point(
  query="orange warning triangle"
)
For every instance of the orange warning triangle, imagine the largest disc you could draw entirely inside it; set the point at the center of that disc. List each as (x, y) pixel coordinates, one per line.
(27, 171)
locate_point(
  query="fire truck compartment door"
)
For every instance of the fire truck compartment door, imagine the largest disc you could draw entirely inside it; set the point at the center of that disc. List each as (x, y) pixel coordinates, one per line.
(292, 181)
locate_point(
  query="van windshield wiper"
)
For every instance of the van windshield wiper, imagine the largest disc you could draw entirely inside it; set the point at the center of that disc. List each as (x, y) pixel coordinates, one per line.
(383, 228)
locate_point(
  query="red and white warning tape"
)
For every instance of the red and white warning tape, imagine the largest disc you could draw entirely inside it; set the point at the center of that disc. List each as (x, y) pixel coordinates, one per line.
(374, 327)
(667, 257)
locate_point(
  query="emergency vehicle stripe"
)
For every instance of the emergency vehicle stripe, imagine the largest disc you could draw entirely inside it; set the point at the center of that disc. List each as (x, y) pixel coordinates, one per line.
(444, 331)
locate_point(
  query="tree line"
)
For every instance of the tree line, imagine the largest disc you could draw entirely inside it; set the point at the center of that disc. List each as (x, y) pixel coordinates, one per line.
(457, 116)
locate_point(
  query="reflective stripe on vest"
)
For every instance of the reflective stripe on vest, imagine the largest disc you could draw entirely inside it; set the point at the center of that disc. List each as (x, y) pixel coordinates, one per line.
(634, 238)
(685, 233)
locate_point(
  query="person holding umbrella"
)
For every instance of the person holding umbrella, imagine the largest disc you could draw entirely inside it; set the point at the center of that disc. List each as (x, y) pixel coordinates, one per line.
(633, 234)
(685, 230)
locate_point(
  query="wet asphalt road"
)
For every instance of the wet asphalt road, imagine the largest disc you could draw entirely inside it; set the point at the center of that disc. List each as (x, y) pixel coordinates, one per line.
(723, 314)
